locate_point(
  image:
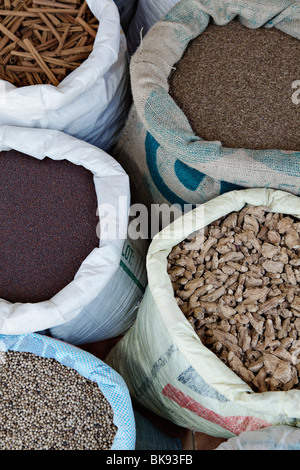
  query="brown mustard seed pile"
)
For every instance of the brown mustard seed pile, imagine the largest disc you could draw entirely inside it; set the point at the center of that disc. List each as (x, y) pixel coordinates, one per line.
(47, 406)
(48, 225)
(234, 84)
(238, 283)
(43, 41)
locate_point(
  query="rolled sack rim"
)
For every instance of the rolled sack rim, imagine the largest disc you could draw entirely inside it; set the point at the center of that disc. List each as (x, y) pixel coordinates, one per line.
(204, 361)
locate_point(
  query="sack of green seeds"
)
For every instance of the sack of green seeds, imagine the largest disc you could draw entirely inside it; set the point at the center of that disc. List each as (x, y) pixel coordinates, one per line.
(164, 363)
(110, 383)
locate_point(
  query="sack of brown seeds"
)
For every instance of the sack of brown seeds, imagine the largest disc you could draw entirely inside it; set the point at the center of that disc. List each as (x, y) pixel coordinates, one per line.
(215, 346)
(172, 163)
(60, 72)
(67, 261)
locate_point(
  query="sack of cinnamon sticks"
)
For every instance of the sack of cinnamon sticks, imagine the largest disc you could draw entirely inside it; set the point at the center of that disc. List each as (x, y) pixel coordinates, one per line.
(63, 66)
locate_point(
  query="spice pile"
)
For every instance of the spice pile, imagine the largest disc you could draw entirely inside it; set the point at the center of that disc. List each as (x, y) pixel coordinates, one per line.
(45, 405)
(238, 283)
(42, 41)
(48, 214)
(230, 86)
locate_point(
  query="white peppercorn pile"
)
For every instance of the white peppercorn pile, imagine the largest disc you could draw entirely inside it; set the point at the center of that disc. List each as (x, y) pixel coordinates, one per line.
(45, 405)
(237, 283)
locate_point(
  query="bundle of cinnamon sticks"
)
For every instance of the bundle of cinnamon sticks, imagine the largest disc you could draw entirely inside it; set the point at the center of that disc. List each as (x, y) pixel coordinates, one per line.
(42, 41)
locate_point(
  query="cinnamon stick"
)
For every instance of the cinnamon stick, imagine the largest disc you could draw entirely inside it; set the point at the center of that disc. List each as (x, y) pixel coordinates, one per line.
(42, 41)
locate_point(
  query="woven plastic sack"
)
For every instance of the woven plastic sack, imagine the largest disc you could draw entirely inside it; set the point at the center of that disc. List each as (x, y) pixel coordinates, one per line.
(273, 438)
(110, 383)
(89, 295)
(91, 103)
(150, 437)
(162, 360)
(148, 12)
(167, 161)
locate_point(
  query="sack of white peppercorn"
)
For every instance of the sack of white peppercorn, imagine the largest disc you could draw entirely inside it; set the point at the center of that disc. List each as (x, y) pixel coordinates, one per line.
(53, 367)
(273, 438)
(67, 260)
(90, 99)
(280, 437)
(215, 346)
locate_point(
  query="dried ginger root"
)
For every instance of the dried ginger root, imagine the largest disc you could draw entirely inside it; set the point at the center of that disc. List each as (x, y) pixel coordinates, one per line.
(237, 283)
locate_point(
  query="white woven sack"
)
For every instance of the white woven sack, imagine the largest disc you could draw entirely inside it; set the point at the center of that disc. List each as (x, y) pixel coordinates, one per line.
(114, 310)
(91, 103)
(162, 360)
(273, 438)
(126, 9)
(102, 264)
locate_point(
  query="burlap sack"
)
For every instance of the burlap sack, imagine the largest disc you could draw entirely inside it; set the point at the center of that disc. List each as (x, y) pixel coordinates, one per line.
(167, 161)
